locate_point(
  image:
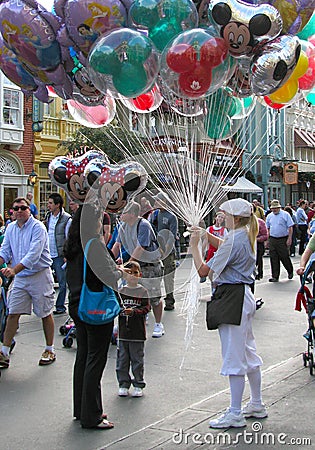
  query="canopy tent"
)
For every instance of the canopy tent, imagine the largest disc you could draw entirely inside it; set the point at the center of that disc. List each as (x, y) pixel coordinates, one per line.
(243, 186)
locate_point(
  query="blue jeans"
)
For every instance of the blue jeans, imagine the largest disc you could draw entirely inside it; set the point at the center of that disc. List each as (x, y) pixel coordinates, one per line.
(61, 277)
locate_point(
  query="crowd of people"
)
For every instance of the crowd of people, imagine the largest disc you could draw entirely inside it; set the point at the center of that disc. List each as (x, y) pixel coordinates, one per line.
(136, 255)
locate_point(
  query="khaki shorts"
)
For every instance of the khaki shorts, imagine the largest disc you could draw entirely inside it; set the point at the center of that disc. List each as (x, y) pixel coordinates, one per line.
(34, 290)
(151, 279)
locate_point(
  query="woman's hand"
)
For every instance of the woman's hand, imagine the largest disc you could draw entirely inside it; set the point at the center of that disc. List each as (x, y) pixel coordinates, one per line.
(195, 235)
(300, 270)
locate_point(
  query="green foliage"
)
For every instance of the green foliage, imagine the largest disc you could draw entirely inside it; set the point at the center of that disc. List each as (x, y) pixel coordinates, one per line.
(111, 139)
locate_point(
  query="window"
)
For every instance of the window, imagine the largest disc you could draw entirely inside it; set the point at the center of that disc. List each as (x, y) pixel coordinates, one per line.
(46, 188)
(11, 110)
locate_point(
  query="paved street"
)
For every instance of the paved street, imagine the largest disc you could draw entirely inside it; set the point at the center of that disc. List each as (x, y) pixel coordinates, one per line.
(36, 402)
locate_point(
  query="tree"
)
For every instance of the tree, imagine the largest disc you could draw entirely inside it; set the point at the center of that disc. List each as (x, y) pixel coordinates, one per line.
(112, 140)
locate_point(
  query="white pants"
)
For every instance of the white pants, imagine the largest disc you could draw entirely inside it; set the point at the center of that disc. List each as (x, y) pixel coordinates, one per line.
(238, 345)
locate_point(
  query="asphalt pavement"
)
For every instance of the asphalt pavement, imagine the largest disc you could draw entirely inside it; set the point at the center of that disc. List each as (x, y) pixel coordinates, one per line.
(184, 388)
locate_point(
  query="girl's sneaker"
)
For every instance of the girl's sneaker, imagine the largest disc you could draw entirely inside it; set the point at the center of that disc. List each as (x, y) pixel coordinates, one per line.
(250, 410)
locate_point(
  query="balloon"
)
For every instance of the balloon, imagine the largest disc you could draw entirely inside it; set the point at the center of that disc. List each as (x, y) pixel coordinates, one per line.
(295, 14)
(309, 28)
(115, 185)
(273, 67)
(311, 97)
(67, 173)
(244, 26)
(87, 20)
(125, 62)
(183, 106)
(93, 116)
(84, 90)
(163, 20)
(240, 82)
(221, 107)
(273, 105)
(307, 81)
(144, 103)
(188, 60)
(30, 35)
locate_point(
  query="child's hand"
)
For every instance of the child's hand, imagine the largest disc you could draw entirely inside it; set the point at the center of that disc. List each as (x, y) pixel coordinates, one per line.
(128, 311)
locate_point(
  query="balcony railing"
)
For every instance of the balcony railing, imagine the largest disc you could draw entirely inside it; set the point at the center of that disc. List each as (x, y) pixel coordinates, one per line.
(59, 129)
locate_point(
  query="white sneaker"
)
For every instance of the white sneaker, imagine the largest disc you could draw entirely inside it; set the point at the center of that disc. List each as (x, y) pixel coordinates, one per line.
(158, 330)
(250, 410)
(137, 392)
(123, 392)
(228, 420)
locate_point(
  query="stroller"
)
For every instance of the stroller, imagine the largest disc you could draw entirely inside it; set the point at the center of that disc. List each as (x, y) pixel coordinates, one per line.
(68, 330)
(306, 299)
(3, 308)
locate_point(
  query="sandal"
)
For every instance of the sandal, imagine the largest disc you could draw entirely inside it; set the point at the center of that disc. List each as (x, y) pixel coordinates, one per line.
(105, 425)
(103, 416)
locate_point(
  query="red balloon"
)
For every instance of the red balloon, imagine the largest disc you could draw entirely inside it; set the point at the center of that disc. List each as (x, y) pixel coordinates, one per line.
(144, 101)
(272, 104)
(213, 52)
(307, 81)
(181, 58)
(195, 83)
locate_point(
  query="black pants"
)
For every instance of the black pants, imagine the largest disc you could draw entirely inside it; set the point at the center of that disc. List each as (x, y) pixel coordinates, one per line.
(259, 258)
(279, 252)
(303, 238)
(92, 348)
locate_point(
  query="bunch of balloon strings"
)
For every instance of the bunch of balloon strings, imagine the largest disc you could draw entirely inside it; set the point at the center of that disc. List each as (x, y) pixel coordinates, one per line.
(193, 177)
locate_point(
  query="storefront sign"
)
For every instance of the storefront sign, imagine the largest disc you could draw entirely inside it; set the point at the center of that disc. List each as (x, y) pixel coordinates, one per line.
(290, 173)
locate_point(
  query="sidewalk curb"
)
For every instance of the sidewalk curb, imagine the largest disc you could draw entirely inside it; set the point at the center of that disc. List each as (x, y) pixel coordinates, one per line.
(280, 382)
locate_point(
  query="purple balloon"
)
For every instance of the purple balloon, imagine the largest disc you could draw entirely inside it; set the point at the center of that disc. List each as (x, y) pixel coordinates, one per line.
(29, 35)
(86, 20)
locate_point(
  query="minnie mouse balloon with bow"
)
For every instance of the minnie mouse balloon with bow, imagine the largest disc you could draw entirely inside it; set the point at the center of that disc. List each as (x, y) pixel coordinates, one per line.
(115, 185)
(67, 173)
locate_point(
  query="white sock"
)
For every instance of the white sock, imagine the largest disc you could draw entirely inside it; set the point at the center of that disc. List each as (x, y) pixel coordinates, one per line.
(254, 379)
(50, 348)
(237, 385)
(5, 350)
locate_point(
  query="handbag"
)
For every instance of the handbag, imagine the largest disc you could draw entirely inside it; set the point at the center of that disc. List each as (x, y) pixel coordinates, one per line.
(96, 308)
(225, 306)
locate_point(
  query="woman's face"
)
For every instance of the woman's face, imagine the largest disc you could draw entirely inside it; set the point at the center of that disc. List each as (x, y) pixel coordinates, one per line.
(229, 221)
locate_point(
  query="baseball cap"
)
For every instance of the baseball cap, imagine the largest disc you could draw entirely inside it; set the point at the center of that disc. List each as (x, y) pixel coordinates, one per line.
(237, 207)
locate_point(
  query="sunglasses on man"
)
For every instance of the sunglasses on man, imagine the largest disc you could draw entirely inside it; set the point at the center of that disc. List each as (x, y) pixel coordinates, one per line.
(22, 208)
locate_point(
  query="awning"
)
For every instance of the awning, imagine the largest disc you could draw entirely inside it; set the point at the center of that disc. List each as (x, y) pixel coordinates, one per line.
(243, 185)
(306, 167)
(303, 138)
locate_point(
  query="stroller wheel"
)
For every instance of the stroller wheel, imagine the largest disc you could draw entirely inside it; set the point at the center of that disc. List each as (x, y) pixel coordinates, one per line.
(67, 342)
(63, 330)
(305, 358)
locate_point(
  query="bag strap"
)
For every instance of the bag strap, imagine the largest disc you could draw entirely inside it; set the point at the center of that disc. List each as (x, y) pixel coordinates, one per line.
(86, 249)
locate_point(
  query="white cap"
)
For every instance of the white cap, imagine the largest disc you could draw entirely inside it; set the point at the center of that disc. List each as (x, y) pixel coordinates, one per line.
(237, 207)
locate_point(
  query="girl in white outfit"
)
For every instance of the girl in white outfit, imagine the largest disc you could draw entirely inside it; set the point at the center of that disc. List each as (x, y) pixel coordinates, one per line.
(234, 264)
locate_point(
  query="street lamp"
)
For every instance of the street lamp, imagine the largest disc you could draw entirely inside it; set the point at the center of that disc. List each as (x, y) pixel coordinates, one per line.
(32, 178)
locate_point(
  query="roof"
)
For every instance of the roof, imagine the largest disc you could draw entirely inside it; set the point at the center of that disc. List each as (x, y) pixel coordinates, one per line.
(243, 185)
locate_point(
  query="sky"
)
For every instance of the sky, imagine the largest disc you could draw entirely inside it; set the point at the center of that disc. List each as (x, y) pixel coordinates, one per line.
(48, 4)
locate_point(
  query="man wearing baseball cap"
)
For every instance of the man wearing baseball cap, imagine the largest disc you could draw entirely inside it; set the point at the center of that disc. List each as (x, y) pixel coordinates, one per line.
(280, 228)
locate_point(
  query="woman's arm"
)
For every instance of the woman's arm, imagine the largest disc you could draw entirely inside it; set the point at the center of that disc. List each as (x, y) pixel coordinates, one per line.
(201, 266)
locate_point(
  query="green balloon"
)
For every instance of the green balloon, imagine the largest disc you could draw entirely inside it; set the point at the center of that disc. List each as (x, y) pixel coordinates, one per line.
(131, 81)
(217, 129)
(139, 49)
(164, 31)
(144, 12)
(105, 60)
(311, 97)
(309, 29)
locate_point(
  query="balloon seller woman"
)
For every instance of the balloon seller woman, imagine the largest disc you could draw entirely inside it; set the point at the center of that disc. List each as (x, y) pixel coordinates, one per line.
(231, 272)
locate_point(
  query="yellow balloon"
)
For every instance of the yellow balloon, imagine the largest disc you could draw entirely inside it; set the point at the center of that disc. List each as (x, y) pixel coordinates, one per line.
(301, 67)
(286, 92)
